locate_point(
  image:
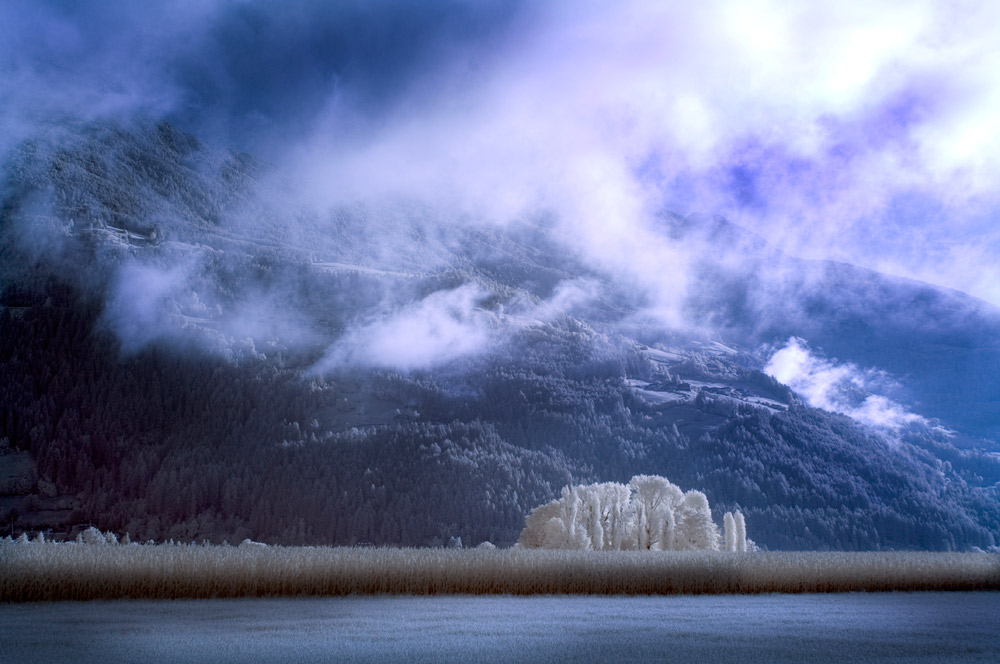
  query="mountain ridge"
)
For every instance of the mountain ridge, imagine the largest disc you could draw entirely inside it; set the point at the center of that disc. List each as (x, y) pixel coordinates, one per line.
(167, 369)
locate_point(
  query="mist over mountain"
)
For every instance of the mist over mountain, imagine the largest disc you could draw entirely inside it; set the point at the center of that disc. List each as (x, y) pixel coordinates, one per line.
(333, 273)
(932, 348)
(189, 360)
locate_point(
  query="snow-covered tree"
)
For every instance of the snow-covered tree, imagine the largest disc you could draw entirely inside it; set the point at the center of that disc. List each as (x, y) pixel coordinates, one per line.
(736, 533)
(649, 513)
(695, 528)
(92, 536)
(606, 514)
(554, 525)
(729, 527)
(741, 532)
(654, 500)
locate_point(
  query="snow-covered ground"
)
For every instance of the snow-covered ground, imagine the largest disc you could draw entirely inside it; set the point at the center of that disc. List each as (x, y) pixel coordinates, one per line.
(657, 397)
(858, 628)
(664, 356)
(333, 266)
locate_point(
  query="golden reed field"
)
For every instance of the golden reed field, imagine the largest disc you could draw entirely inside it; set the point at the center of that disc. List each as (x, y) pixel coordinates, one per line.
(43, 571)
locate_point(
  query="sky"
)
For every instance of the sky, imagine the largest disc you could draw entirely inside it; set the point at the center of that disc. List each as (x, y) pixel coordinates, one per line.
(858, 131)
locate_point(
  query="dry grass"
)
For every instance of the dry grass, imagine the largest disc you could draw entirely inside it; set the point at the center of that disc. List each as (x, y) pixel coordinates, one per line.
(50, 571)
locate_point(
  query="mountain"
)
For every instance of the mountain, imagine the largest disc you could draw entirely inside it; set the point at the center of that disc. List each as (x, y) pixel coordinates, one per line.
(189, 351)
(941, 345)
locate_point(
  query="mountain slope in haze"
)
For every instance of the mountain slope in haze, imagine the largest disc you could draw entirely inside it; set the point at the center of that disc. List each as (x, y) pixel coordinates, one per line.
(941, 347)
(188, 353)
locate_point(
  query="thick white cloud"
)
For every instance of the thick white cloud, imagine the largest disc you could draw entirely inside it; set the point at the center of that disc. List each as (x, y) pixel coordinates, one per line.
(844, 130)
(444, 326)
(840, 388)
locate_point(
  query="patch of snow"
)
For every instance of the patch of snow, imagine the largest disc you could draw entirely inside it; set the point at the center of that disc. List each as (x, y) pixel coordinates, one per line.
(657, 398)
(333, 266)
(697, 384)
(663, 356)
(722, 348)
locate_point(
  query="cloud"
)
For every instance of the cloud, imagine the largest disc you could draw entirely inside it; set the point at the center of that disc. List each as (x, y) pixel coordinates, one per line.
(71, 63)
(847, 131)
(856, 131)
(448, 325)
(178, 302)
(143, 304)
(840, 388)
(442, 327)
(569, 297)
(248, 72)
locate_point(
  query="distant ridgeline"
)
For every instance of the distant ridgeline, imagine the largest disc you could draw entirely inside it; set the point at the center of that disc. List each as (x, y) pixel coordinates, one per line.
(162, 318)
(650, 513)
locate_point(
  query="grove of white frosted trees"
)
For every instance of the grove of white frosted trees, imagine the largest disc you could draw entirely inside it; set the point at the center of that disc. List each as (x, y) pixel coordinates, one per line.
(649, 513)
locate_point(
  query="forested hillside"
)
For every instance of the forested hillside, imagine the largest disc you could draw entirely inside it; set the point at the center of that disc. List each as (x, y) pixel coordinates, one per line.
(190, 358)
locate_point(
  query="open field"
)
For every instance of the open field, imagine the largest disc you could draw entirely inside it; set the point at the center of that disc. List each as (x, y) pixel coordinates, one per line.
(70, 571)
